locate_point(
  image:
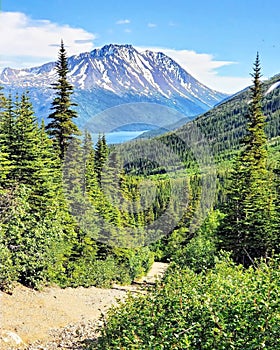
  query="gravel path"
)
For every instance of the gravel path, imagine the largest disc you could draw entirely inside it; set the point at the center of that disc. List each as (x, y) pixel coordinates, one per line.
(60, 318)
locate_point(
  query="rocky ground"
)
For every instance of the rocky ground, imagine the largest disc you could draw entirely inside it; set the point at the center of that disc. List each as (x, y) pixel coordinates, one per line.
(57, 318)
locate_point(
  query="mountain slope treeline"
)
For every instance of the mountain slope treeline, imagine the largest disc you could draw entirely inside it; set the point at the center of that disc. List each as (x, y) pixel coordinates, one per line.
(70, 213)
(223, 128)
(225, 125)
(212, 299)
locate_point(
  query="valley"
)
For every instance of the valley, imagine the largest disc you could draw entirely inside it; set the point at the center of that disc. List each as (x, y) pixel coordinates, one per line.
(198, 191)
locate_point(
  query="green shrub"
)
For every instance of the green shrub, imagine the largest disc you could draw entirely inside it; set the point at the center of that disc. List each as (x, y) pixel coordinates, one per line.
(8, 271)
(122, 267)
(226, 308)
(199, 254)
(98, 273)
(140, 262)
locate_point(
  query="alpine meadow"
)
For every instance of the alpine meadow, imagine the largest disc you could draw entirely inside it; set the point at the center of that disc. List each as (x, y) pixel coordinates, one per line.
(202, 195)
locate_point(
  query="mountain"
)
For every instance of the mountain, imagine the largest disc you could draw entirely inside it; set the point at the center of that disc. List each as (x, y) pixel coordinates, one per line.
(212, 139)
(116, 75)
(224, 125)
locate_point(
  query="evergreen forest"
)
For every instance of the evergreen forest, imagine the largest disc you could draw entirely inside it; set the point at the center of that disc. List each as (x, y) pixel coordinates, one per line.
(204, 198)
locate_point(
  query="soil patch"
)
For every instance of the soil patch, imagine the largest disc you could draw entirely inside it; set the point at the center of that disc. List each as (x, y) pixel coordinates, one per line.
(37, 317)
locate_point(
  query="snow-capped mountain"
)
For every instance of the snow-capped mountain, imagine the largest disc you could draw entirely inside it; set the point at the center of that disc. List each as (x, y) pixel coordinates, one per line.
(113, 75)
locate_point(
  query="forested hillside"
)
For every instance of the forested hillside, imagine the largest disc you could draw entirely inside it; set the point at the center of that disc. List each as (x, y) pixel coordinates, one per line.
(225, 124)
(49, 174)
(222, 128)
(223, 288)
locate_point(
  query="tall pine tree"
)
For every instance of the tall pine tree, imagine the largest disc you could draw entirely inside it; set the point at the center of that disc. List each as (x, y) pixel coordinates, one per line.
(24, 141)
(61, 127)
(5, 163)
(249, 228)
(100, 157)
(36, 229)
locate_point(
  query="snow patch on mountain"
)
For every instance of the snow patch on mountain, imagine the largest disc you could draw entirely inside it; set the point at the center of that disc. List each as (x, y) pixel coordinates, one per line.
(117, 74)
(272, 87)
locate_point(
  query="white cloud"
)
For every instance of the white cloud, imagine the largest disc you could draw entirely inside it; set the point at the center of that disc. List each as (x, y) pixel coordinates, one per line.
(25, 42)
(123, 21)
(205, 69)
(151, 25)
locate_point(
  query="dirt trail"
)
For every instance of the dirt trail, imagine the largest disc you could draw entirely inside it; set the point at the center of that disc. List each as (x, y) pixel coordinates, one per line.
(156, 272)
(32, 315)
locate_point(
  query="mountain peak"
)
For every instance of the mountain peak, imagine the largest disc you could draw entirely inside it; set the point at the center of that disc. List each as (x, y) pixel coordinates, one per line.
(124, 74)
(157, 54)
(112, 49)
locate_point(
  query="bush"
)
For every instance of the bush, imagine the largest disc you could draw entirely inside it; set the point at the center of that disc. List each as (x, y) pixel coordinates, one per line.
(98, 273)
(140, 262)
(226, 308)
(199, 254)
(122, 267)
(8, 271)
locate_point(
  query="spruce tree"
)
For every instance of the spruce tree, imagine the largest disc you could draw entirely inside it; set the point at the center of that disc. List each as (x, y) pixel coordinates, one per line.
(4, 166)
(37, 230)
(7, 124)
(61, 127)
(5, 163)
(3, 101)
(24, 142)
(249, 229)
(90, 181)
(100, 157)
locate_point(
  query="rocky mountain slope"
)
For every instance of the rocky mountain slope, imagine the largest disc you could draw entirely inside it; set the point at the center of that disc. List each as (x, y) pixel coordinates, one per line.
(116, 75)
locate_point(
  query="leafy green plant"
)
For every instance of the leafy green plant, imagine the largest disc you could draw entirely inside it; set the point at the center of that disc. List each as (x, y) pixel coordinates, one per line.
(199, 253)
(8, 271)
(140, 262)
(229, 307)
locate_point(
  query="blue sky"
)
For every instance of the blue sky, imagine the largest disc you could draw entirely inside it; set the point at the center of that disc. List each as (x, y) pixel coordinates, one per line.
(214, 40)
